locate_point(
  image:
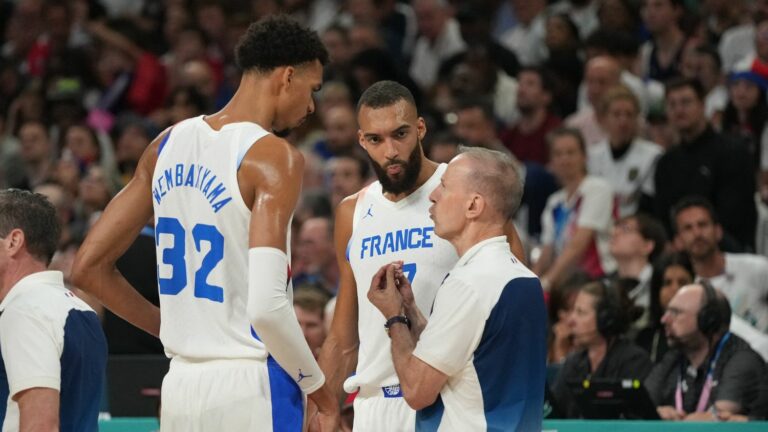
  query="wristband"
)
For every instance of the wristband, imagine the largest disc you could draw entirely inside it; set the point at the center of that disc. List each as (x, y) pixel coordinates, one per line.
(397, 319)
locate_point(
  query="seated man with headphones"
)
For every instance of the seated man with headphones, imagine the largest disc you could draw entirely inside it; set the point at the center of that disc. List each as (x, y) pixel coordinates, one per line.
(601, 316)
(710, 373)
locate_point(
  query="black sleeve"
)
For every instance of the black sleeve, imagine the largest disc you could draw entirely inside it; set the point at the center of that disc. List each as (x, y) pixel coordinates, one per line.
(734, 199)
(566, 403)
(658, 377)
(740, 380)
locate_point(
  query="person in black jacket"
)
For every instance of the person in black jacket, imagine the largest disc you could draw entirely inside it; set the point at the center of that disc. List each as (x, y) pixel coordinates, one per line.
(706, 163)
(600, 317)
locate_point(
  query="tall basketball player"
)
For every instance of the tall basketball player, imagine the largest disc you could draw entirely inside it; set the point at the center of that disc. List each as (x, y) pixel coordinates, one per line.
(385, 222)
(223, 189)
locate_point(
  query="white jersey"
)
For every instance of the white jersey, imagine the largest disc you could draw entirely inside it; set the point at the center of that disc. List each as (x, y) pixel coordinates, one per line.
(201, 233)
(384, 231)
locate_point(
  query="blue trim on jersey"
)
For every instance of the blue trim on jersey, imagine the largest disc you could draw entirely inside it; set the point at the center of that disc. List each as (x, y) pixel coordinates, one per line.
(429, 418)
(241, 155)
(510, 360)
(4, 391)
(83, 362)
(163, 142)
(287, 400)
(148, 231)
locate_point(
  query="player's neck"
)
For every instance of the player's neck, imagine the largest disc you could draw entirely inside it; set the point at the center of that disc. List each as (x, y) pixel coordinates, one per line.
(252, 102)
(16, 271)
(428, 168)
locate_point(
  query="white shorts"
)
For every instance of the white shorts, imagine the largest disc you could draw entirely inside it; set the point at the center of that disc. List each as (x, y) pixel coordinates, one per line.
(375, 412)
(230, 395)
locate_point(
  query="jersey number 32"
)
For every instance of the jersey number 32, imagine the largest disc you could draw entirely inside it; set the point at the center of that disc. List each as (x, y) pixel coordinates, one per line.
(175, 257)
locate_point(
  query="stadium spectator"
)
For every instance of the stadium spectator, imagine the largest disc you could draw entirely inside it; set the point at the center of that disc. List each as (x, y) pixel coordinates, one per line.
(742, 278)
(705, 352)
(624, 159)
(577, 220)
(600, 317)
(705, 163)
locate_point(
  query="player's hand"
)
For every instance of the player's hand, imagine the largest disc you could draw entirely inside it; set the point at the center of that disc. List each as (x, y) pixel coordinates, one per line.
(669, 413)
(705, 416)
(384, 294)
(326, 417)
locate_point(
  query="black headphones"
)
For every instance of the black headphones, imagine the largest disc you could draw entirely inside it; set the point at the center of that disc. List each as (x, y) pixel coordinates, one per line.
(715, 313)
(609, 313)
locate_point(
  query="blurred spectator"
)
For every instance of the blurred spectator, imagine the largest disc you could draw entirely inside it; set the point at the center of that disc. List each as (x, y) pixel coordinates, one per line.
(743, 278)
(475, 27)
(128, 73)
(706, 352)
(670, 273)
(36, 153)
(600, 317)
(375, 64)
(661, 56)
(131, 139)
(439, 39)
(444, 147)
(619, 16)
(337, 42)
(560, 308)
(624, 159)
(564, 62)
(707, 69)
(476, 125)
(526, 39)
(395, 21)
(527, 138)
(346, 175)
(582, 12)
(708, 164)
(316, 254)
(600, 74)
(724, 15)
(746, 114)
(317, 14)
(309, 306)
(636, 242)
(577, 220)
(340, 126)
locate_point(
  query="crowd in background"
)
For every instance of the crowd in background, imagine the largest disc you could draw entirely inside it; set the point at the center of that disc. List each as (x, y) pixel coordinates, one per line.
(639, 125)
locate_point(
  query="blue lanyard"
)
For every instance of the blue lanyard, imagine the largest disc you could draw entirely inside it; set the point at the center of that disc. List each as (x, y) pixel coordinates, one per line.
(707, 389)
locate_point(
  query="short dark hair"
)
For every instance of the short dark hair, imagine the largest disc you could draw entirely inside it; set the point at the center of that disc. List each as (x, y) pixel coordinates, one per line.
(278, 41)
(483, 104)
(567, 132)
(545, 76)
(34, 215)
(383, 94)
(690, 201)
(681, 83)
(650, 229)
(711, 52)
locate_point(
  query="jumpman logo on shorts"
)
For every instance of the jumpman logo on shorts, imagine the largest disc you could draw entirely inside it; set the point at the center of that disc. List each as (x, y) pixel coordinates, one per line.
(368, 213)
(302, 376)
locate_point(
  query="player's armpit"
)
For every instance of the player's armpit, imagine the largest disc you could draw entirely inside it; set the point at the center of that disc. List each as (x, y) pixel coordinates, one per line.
(338, 357)
(38, 409)
(94, 267)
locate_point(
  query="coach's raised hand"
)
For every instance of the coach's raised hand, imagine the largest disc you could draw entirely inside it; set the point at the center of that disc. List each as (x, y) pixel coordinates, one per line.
(384, 293)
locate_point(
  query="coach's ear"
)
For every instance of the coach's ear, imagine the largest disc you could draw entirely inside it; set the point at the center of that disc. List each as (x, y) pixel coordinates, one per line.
(475, 206)
(14, 242)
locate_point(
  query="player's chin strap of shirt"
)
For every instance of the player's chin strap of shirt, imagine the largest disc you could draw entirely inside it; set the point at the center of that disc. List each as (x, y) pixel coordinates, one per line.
(707, 389)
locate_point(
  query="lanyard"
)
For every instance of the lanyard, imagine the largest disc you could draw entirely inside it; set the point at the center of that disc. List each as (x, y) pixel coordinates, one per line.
(707, 389)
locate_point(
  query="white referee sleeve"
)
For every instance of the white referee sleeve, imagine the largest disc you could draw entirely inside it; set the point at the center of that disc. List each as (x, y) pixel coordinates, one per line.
(271, 314)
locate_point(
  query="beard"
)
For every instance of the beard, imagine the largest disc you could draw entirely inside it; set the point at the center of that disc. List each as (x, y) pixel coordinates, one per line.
(405, 180)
